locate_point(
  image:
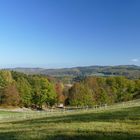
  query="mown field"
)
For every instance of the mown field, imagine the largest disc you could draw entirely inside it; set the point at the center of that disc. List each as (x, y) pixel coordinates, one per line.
(118, 122)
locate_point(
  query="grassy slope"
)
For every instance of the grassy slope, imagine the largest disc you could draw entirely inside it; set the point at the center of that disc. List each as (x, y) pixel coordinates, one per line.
(115, 123)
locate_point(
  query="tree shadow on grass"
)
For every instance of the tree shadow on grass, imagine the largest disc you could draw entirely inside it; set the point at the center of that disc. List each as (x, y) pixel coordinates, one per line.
(75, 136)
(98, 136)
(7, 136)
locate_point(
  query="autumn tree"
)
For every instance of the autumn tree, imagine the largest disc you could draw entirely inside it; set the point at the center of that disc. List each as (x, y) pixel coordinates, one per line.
(59, 87)
(10, 95)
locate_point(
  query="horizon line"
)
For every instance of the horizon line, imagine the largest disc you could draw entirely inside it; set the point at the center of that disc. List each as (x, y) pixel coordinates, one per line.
(78, 66)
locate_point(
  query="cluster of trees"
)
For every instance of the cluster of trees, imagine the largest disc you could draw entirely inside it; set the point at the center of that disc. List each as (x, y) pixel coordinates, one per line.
(17, 89)
(103, 90)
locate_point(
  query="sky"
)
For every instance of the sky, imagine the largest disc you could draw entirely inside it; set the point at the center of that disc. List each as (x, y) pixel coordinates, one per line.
(68, 33)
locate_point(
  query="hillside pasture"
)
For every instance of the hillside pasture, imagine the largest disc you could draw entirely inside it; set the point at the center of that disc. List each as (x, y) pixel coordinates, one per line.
(121, 121)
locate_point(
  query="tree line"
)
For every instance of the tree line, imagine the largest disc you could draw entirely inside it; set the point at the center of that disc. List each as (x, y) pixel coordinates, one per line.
(36, 91)
(103, 90)
(18, 89)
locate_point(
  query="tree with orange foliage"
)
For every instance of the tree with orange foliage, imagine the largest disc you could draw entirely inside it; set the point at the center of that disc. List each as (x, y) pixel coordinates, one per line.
(10, 95)
(59, 87)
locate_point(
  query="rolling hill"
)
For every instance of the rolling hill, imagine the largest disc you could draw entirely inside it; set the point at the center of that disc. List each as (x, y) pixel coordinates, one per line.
(130, 71)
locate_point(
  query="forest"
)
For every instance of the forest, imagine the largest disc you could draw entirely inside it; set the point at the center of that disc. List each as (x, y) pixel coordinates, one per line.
(39, 91)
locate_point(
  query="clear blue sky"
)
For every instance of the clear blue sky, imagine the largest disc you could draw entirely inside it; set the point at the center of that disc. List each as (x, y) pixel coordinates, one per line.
(65, 33)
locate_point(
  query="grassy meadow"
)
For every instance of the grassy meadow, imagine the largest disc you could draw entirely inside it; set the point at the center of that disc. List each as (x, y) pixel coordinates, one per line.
(117, 122)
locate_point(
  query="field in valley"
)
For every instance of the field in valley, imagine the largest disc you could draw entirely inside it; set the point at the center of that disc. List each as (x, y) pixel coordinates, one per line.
(117, 122)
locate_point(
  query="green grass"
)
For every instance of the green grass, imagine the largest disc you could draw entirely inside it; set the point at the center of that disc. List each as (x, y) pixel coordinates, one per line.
(119, 122)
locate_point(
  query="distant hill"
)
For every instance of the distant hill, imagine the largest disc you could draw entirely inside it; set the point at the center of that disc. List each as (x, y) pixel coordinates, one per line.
(130, 71)
(28, 70)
